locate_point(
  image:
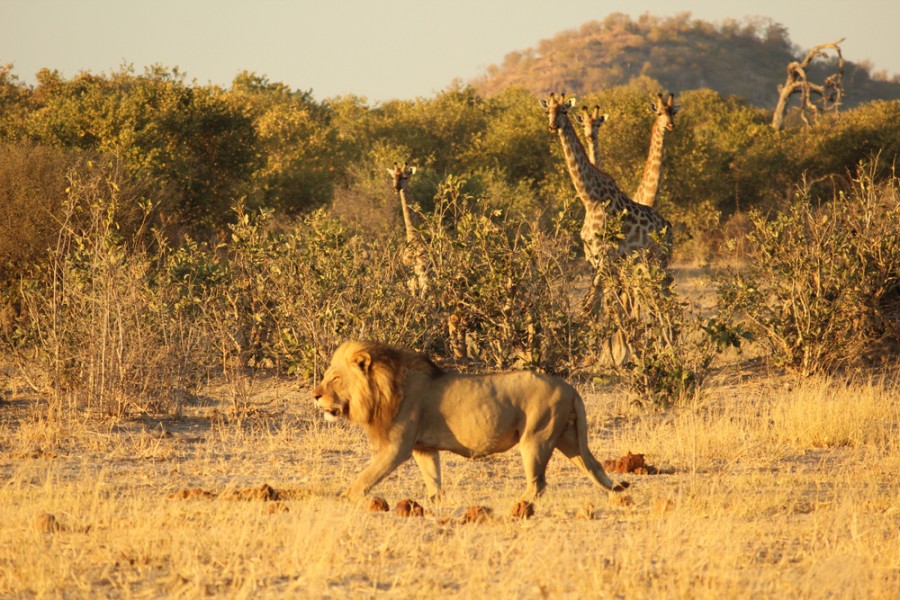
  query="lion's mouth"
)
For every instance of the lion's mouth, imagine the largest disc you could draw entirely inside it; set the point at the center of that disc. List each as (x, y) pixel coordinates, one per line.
(332, 414)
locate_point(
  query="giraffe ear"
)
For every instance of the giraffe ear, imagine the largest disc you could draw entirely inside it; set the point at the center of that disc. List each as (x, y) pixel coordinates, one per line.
(544, 104)
(412, 170)
(676, 109)
(579, 119)
(390, 172)
(570, 102)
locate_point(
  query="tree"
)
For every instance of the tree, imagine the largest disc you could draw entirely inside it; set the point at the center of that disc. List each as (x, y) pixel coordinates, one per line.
(829, 92)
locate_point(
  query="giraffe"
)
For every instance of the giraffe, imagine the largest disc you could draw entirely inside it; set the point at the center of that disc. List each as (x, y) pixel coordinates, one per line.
(602, 198)
(590, 120)
(648, 190)
(414, 254)
(641, 226)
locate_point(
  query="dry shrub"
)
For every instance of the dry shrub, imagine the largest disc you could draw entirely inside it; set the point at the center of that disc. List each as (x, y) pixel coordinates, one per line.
(95, 328)
(32, 191)
(822, 280)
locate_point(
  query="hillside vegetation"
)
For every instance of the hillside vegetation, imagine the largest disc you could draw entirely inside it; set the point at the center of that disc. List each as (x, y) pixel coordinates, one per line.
(741, 58)
(201, 228)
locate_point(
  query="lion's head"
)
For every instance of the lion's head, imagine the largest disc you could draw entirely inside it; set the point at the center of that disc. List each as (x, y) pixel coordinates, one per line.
(365, 383)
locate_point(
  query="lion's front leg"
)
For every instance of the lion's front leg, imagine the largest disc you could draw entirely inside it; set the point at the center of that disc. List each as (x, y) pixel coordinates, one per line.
(389, 457)
(429, 462)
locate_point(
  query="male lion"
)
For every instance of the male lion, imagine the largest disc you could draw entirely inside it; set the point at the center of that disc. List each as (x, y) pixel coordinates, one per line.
(411, 407)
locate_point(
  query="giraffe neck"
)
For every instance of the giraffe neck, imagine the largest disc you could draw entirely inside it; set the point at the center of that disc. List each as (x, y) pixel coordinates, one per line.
(593, 185)
(648, 190)
(593, 147)
(405, 201)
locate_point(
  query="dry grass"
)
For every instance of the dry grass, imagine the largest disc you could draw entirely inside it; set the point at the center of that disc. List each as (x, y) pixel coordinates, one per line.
(767, 490)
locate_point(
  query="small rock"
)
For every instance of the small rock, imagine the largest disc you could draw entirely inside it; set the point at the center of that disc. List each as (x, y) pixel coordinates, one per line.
(522, 510)
(379, 504)
(476, 514)
(410, 508)
(47, 523)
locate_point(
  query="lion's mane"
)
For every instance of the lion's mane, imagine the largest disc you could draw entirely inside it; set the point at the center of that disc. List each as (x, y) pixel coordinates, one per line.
(376, 376)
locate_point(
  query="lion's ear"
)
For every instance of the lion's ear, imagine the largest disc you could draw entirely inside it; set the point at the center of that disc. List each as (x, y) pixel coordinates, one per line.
(362, 359)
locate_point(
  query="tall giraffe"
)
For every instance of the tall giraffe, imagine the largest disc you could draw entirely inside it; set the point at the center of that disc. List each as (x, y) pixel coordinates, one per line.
(590, 120)
(414, 254)
(602, 198)
(648, 190)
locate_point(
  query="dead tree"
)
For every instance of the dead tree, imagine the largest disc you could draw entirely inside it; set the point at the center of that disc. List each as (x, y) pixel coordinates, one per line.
(828, 94)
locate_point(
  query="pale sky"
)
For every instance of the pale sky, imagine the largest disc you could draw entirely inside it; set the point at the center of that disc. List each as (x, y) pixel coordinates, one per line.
(376, 49)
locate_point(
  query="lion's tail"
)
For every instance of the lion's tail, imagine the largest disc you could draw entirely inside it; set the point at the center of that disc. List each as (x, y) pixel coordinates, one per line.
(590, 464)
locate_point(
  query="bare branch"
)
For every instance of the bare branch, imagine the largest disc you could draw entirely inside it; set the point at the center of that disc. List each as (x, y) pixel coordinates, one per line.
(829, 93)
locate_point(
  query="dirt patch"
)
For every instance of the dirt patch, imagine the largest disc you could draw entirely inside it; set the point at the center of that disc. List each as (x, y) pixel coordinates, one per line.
(410, 508)
(264, 492)
(630, 463)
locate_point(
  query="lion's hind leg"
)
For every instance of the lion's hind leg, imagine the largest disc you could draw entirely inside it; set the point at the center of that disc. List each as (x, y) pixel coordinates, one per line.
(429, 462)
(535, 456)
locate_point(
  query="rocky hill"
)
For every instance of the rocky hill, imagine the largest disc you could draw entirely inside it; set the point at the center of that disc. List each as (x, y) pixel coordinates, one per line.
(745, 58)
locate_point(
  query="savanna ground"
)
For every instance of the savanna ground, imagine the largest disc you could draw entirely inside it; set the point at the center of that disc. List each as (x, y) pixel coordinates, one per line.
(768, 486)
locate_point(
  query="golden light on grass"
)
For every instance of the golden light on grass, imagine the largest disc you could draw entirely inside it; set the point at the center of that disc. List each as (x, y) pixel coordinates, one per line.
(764, 491)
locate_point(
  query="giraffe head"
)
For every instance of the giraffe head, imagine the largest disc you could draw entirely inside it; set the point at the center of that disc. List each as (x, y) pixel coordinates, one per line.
(557, 108)
(400, 175)
(665, 112)
(591, 120)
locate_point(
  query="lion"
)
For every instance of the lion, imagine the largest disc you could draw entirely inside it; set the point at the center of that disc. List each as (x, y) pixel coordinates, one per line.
(408, 406)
